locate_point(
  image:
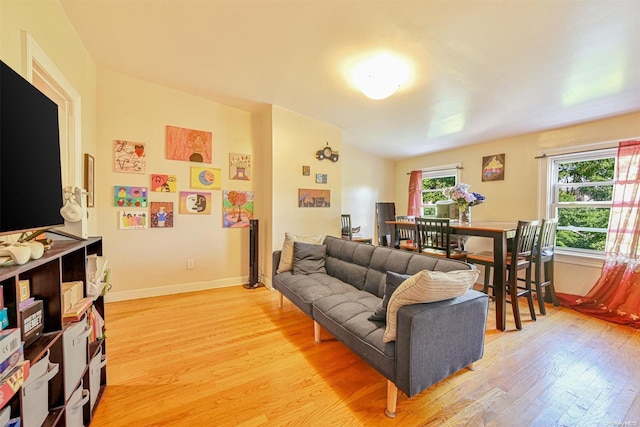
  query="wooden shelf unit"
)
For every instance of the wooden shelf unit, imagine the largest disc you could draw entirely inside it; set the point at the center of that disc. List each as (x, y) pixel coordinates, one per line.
(65, 261)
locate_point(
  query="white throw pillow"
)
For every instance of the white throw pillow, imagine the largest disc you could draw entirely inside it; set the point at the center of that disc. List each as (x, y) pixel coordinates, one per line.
(426, 286)
(286, 257)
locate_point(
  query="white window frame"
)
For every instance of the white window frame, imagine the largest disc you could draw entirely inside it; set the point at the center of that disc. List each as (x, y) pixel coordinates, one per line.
(439, 172)
(550, 193)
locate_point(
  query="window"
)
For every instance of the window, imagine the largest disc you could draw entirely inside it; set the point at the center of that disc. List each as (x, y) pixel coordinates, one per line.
(433, 182)
(580, 195)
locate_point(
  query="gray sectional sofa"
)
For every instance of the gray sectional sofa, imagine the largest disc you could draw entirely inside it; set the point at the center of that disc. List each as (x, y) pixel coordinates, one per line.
(434, 340)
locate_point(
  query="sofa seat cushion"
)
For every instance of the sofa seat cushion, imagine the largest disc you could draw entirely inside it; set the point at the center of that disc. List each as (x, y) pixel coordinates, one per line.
(346, 317)
(304, 289)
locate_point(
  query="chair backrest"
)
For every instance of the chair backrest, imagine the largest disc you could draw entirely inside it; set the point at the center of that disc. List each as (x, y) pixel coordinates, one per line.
(434, 233)
(346, 226)
(524, 241)
(405, 233)
(546, 243)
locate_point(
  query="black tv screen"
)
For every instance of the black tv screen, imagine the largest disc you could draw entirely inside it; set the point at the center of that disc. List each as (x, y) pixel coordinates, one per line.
(31, 192)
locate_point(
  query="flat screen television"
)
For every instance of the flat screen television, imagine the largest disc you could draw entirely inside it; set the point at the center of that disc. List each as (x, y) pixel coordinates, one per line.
(31, 192)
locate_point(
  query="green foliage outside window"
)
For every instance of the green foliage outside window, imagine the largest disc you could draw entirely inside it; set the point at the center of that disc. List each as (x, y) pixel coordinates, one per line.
(579, 219)
(432, 191)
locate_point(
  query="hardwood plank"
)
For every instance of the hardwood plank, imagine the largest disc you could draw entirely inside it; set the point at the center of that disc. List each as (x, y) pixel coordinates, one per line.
(231, 356)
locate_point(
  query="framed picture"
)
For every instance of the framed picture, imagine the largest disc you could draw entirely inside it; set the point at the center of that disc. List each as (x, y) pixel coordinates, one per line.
(493, 167)
(237, 208)
(89, 183)
(240, 166)
(313, 198)
(321, 178)
(306, 170)
(198, 203)
(206, 178)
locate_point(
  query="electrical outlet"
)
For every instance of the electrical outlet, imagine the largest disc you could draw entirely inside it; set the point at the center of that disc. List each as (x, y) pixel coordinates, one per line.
(190, 264)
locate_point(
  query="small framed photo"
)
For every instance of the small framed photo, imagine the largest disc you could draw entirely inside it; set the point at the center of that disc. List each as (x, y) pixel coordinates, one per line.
(89, 182)
(321, 178)
(306, 170)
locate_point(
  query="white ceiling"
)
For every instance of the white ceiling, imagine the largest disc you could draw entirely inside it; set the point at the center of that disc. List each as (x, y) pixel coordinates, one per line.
(483, 69)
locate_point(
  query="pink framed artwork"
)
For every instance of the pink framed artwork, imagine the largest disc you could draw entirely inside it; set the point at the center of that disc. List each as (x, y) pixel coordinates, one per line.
(189, 145)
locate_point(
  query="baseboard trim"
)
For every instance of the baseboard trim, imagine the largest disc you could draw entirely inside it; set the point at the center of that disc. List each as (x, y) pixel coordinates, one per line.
(114, 296)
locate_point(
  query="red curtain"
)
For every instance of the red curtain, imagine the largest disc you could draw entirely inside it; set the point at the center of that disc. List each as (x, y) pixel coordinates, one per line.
(415, 193)
(616, 294)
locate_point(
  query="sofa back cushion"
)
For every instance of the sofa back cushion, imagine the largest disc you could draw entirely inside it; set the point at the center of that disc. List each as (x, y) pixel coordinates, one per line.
(348, 261)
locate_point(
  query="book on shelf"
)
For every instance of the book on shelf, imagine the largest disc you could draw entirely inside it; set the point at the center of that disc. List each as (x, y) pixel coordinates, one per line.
(13, 382)
(10, 340)
(26, 303)
(14, 359)
(77, 310)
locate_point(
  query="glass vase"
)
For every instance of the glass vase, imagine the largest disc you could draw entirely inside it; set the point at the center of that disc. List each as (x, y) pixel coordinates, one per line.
(464, 215)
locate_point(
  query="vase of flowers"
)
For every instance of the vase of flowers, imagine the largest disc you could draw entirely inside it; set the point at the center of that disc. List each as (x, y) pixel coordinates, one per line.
(465, 199)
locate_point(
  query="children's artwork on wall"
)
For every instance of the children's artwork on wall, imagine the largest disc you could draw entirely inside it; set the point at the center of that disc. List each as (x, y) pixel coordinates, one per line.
(237, 208)
(125, 196)
(321, 178)
(164, 183)
(189, 144)
(240, 166)
(129, 157)
(193, 202)
(161, 214)
(206, 178)
(313, 198)
(132, 220)
(306, 170)
(493, 168)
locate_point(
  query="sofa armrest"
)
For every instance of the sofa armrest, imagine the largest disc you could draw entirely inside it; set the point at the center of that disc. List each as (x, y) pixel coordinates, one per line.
(275, 262)
(436, 340)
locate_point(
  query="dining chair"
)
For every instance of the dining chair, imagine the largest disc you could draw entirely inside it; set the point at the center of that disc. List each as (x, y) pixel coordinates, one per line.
(406, 237)
(519, 258)
(434, 238)
(347, 231)
(543, 262)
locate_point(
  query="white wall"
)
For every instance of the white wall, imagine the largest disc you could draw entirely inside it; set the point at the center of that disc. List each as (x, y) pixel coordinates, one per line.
(366, 179)
(517, 196)
(296, 138)
(153, 261)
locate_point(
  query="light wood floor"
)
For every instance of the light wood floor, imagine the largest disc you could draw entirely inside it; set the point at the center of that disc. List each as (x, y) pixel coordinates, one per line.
(230, 357)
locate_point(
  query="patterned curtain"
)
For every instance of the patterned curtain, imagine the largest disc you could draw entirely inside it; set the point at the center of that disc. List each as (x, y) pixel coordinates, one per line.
(415, 193)
(616, 294)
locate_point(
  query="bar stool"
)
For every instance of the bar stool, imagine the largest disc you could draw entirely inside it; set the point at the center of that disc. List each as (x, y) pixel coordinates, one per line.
(543, 260)
(434, 238)
(520, 258)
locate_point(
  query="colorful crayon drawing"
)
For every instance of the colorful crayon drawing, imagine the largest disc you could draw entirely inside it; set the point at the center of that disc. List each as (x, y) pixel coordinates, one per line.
(189, 144)
(125, 196)
(206, 178)
(195, 203)
(129, 157)
(493, 168)
(237, 208)
(132, 220)
(161, 214)
(164, 183)
(240, 166)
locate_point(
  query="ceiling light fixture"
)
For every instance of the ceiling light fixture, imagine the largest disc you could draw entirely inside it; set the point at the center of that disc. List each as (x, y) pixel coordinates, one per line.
(380, 76)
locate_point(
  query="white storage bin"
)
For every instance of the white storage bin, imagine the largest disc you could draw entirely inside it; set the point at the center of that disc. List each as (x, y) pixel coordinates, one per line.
(74, 349)
(95, 368)
(73, 411)
(35, 392)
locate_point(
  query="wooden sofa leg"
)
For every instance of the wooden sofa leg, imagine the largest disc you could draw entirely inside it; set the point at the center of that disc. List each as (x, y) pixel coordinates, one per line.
(471, 367)
(316, 332)
(280, 299)
(392, 399)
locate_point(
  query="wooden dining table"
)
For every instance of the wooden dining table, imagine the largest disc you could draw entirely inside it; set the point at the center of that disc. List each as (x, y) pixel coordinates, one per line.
(499, 232)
